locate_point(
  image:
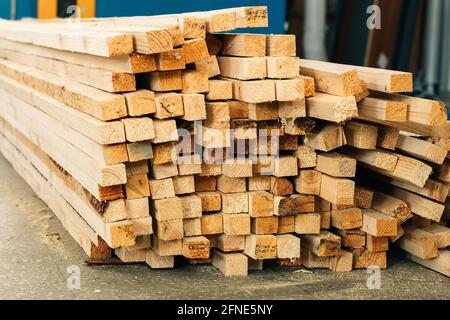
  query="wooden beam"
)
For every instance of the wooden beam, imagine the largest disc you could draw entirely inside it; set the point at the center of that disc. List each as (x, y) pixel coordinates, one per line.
(325, 244)
(337, 190)
(375, 158)
(393, 207)
(327, 139)
(378, 224)
(331, 108)
(243, 68)
(244, 45)
(336, 165)
(383, 110)
(419, 243)
(422, 149)
(361, 135)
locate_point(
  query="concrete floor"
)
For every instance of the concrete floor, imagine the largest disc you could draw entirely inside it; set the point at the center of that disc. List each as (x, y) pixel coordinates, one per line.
(35, 251)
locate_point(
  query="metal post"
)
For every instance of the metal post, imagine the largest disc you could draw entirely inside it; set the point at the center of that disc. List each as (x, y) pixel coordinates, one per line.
(432, 47)
(315, 30)
(12, 15)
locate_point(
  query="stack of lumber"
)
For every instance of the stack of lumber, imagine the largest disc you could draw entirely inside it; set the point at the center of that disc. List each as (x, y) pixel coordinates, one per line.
(159, 137)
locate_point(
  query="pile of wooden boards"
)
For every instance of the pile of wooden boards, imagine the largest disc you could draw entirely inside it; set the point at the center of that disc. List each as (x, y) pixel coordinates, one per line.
(163, 136)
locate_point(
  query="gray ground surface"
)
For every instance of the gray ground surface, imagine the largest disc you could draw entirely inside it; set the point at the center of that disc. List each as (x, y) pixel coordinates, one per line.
(33, 264)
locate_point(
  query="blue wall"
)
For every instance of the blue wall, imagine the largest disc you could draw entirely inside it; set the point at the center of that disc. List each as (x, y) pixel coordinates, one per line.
(110, 8)
(25, 8)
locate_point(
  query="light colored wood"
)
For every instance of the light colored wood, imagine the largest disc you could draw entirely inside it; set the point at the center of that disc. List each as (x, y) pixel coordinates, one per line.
(295, 108)
(293, 205)
(137, 187)
(231, 185)
(212, 224)
(137, 168)
(281, 186)
(165, 131)
(217, 115)
(285, 166)
(167, 248)
(422, 149)
(440, 264)
(137, 208)
(106, 44)
(238, 168)
(262, 111)
(194, 107)
(140, 103)
(254, 91)
(433, 189)
(163, 153)
(343, 262)
(168, 105)
(419, 243)
(244, 130)
(387, 137)
(191, 206)
(312, 261)
(155, 261)
(260, 204)
(364, 259)
(264, 226)
(352, 238)
(307, 157)
(230, 264)
(220, 90)
(189, 165)
(309, 86)
(327, 139)
(169, 230)
(194, 81)
(196, 247)
(335, 79)
(170, 60)
(259, 183)
(167, 210)
(215, 138)
(361, 136)
(236, 224)
(408, 170)
(377, 244)
(161, 189)
(163, 171)
(308, 223)
(324, 244)
(98, 78)
(378, 224)
(227, 243)
(211, 201)
(102, 105)
(337, 190)
(308, 182)
(288, 246)
(286, 224)
(422, 111)
(143, 226)
(336, 165)
(331, 108)
(244, 45)
(289, 90)
(138, 129)
(133, 63)
(238, 109)
(281, 45)
(261, 247)
(234, 203)
(325, 220)
(243, 68)
(391, 206)
(347, 219)
(375, 158)
(127, 255)
(184, 184)
(383, 110)
(209, 65)
(163, 81)
(442, 234)
(282, 67)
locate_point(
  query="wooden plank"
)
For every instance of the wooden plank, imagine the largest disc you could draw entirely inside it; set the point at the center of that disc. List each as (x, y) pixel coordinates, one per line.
(288, 247)
(393, 207)
(140, 103)
(352, 238)
(236, 224)
(195, 81)
(155, 261)
(440, 264)
(219, 90)
(261, 247)
(230, 264)
(209, 65)
(442, 234)
(100, 43)
(422, 149)
(387, 137)
(309, 223)
(212, 224)
(281, 45)
(347, 219)
(337, 190)
(308, 182)
(422, 111)
(133, 63)
(378, 224)
(244, 45)
(433, 189)
(282, 67)
(94, 77)
(170, 60)
(138, 129)
(375, 158)
(331, 108)
(99, 104)
(419, 243)
(384, 110)
(342, 263)
(307, 157)
(327, 139)
(325, 244)
(243, 68)
(361, 135)
(196, 247)
(334, 79)
(336, 165)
